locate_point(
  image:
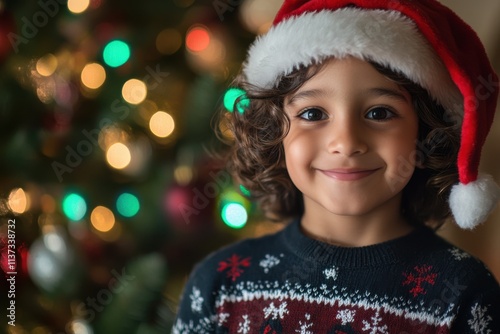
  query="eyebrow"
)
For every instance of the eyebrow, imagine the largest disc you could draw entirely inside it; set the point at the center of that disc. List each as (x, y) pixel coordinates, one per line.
(312, 93)
(372, 92)
(390, 93)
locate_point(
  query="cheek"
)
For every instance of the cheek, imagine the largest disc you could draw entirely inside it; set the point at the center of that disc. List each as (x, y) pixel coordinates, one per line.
(299, 152)
(401, 154)
(299, 146)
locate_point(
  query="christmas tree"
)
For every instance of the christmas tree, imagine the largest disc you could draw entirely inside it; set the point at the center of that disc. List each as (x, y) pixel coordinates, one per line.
(109, 188)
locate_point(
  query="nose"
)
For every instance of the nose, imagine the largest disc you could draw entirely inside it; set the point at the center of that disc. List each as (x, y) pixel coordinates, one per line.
(347, 137)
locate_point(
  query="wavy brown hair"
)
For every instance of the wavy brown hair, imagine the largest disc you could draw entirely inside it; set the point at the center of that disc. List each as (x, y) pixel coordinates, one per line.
(256, 155)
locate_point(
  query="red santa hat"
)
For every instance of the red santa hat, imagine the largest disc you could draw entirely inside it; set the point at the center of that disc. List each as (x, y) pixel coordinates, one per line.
(422, 39)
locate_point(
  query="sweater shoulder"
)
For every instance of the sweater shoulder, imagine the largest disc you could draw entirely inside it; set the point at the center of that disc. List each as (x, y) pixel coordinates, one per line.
(460, 264)
(242, 254)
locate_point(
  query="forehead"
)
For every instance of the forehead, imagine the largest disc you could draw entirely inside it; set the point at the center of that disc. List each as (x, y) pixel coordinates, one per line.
(348, 69)
(345, 75)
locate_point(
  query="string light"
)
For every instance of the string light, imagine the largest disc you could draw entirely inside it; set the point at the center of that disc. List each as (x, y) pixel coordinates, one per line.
(54, 242)
(46, 65)
(74, 206)
(134, 91)
(234, 215)
(102, 219)
(197, 39)
(118, 156)
(18, 201)
(233, 209)
(93, 75)
(127, 205)
(183, 174)
(78, 6)
(81, 326)
(244, 190)
(116, 53)
(232, 95)
(162, 124)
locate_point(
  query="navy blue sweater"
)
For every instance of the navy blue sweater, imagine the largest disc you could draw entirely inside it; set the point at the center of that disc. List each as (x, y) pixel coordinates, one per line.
(290, 283)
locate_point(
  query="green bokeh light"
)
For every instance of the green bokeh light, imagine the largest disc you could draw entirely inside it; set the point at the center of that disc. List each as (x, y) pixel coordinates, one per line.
(74, 206)
(244, 191)
(230, 97)
(234, 215)
(116, 53)
(127, 205)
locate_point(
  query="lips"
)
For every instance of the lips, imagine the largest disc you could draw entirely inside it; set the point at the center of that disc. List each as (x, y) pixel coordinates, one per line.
(349, 174)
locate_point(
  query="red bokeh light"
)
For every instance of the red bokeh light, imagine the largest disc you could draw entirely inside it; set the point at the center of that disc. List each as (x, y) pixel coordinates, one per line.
(197, 39)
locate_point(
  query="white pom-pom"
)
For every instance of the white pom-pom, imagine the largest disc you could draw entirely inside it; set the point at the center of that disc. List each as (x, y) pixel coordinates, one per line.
(472, 203)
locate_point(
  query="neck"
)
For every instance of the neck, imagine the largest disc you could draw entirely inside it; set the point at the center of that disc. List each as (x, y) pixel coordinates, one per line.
(355, 230)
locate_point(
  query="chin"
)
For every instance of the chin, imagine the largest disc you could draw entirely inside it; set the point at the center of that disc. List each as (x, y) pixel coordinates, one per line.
(347, 210)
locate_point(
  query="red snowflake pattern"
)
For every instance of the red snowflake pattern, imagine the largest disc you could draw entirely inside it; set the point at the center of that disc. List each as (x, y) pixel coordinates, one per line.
(422, 275)
(233, 264)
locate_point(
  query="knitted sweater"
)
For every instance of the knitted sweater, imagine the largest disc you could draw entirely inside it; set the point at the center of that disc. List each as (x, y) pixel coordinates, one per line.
(289, 283)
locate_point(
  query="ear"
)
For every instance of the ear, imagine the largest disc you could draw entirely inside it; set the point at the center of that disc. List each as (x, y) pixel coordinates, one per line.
(420, 159)
(419, 164)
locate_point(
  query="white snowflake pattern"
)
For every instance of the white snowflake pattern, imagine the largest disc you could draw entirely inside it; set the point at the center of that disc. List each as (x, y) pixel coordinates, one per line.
(196, 300)
(331, 273)
(458, 254)
(275, 312)
(244, 326)
(480, 320)
(268, 262)
(346, 316)
(375, 326)
(222, 318)
(203, 326)
(305, 326)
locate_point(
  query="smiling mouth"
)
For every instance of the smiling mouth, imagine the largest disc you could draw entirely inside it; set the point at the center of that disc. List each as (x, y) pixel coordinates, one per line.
(349, 174)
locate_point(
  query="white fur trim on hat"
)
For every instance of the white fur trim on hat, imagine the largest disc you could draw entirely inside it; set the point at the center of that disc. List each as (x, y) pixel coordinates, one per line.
(472, 203)
(385, 37)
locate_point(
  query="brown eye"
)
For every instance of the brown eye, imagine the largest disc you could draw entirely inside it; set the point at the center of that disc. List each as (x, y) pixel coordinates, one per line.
(313, 114)
(380, 114)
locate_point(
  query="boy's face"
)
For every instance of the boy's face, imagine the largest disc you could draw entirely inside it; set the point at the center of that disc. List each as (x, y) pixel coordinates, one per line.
(352, 142)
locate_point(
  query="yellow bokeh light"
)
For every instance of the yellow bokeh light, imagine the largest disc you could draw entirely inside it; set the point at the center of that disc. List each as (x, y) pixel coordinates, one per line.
(93, 75)
(78, 6)
(102, 219)
(18, 201)
(45, 93)
(161, 124)
(168, 41)
(183, 175)
(118, 156)
(46, 65)
(134, 91)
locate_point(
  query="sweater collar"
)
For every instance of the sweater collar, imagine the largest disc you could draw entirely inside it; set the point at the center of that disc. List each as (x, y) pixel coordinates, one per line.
(388, 252)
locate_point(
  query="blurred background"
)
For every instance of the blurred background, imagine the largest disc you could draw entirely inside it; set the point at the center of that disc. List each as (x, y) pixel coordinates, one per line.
(108, 185)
